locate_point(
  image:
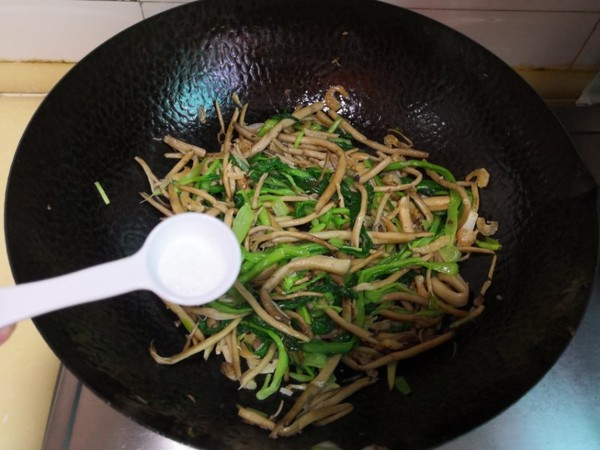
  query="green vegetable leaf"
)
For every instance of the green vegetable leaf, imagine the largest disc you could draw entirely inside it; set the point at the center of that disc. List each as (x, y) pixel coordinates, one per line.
(271, 386)
(383, 269)
(329, 347)
(450, 253)
(280, 253)
(315, 360)
(337, 292)
(402, 385)
(489, 243)
(321, 323)
(335, 125)
(282, 176)
(362, 252)
(243, 222)
(345, 144)
(270, 123)
(240, 162)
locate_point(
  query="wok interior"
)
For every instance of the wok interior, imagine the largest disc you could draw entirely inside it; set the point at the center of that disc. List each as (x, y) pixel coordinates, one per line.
(450, 96)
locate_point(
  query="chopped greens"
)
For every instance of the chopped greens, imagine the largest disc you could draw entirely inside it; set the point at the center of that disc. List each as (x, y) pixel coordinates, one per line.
(102, 193)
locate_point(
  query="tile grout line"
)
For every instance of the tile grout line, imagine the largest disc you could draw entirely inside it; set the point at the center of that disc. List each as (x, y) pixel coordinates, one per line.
(425, 8)
(585, 42)
(141, 10)
(23, 94)
(561, 11)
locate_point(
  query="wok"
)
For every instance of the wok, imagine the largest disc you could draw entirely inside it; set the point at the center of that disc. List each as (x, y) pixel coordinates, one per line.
(451, 96)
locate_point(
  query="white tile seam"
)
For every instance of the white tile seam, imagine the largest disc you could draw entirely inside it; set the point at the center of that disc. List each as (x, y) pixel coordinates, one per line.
(22, 94)
(553, 11)
(596, 25)
(426, 8)
(527, 11)
(419, 8)
(141, 10)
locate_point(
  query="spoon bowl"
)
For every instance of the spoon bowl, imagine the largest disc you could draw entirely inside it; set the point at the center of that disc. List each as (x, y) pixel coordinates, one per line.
(189, 259)
(192, 258)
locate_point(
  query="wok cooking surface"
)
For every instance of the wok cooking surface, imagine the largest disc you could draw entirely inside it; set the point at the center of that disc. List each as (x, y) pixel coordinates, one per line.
(561, 411)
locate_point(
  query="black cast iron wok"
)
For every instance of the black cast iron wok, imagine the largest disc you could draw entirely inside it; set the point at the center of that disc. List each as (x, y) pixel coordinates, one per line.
(451, 96)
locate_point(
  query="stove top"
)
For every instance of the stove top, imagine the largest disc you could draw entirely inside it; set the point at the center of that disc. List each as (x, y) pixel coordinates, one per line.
(561, 411)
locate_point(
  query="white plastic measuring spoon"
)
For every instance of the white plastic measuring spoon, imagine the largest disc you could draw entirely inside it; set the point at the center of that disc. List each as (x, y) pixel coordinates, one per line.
(189, 259)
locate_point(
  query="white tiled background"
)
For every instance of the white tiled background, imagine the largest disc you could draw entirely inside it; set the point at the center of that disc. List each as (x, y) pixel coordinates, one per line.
(562, 34)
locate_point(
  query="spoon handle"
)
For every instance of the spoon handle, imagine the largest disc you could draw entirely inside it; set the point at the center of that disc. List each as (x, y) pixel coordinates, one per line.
(102, 281)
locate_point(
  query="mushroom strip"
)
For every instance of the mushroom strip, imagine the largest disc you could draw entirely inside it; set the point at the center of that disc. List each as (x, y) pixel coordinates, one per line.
(352, 250)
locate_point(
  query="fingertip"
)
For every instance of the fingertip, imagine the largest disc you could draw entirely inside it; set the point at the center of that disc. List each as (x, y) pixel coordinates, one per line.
(6, 332)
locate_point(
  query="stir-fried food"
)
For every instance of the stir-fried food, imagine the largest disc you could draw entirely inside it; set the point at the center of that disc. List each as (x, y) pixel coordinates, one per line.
(351, 252)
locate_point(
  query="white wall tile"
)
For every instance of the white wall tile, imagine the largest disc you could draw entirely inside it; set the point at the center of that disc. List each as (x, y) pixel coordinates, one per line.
(590, 55)
(534, 39)
(502, 5)
(150, 8)
(59, 29)
(525, 33)
(166, 1)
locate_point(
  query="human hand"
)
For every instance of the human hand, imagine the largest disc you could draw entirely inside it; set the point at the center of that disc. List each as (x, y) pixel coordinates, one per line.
(5, 333)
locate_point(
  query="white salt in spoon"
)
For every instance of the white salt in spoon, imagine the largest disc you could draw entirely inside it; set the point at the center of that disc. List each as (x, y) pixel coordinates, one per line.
(189, 259)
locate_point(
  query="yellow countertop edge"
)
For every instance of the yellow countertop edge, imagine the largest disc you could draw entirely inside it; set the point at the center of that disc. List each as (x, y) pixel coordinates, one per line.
(31, 77)
(558, 85)
(554, 84)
